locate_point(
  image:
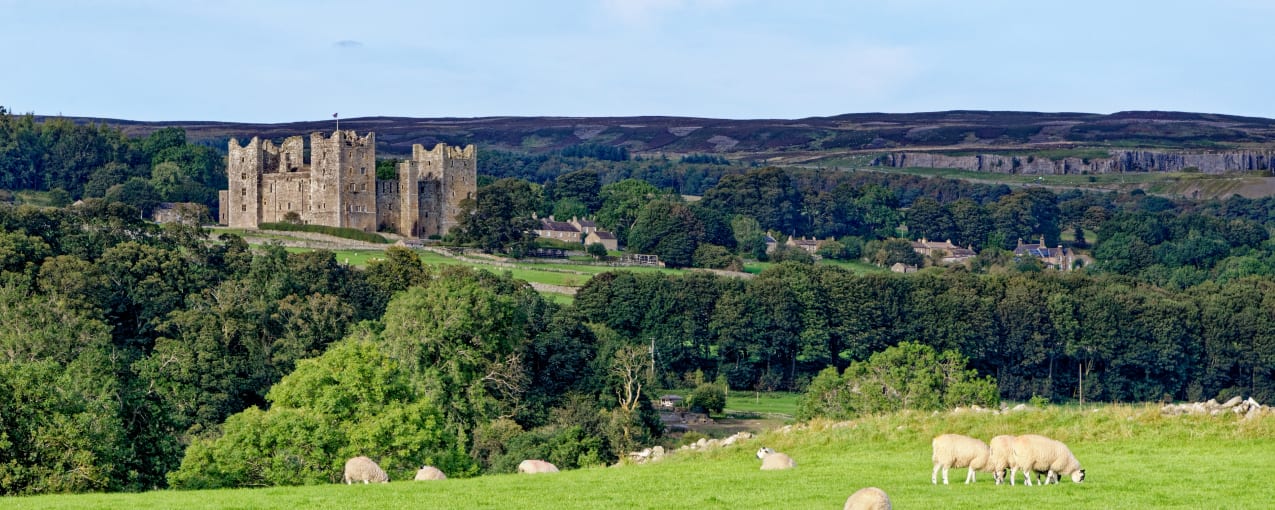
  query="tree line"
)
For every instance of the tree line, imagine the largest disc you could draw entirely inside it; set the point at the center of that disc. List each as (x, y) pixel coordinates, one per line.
(91, 160)
(1037, 334)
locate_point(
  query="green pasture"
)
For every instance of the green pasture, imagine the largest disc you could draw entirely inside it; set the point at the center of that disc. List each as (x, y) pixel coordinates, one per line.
(762, 402)
(1134, 458)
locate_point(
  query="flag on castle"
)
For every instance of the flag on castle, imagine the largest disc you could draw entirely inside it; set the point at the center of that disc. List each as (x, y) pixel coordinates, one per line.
(334, 115)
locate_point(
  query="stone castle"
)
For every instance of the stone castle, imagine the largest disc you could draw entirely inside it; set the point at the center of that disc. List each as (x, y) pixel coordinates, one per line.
(338, 186)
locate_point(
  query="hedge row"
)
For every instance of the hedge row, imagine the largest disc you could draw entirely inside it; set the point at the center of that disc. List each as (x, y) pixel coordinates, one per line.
(343, 232)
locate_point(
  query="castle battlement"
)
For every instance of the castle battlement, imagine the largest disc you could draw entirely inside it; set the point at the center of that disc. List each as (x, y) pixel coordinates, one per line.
(338, 185)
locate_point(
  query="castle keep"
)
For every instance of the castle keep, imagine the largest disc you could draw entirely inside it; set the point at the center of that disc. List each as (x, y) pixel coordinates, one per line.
(338, 186)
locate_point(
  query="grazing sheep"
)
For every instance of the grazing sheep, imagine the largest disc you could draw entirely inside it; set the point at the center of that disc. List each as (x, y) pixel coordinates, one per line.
(1002, 455)
(868, 498)
(363, 469)
(955, 450)
(1042, 454)
(536, 466)
(430, 473)
(772, 460)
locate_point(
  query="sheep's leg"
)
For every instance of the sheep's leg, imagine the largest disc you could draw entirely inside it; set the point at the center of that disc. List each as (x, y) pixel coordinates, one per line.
(1013, 475)
(969, 475)
(1027, 475)
(934, 477)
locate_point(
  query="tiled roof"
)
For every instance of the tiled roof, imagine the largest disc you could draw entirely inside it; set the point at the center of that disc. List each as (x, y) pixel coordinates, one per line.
(558, 226)
(602, 234)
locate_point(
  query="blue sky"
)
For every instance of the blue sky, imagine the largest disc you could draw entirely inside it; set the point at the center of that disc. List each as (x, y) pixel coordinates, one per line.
(279, 61)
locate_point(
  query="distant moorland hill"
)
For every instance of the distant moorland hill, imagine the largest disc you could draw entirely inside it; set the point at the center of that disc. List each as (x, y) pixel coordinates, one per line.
(778, 140)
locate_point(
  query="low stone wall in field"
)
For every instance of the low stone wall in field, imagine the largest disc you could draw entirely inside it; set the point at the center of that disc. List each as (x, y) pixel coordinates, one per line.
(1248, 407)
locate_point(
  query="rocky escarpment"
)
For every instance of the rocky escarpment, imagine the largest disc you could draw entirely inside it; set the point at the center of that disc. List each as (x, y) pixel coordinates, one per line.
(1120, 161)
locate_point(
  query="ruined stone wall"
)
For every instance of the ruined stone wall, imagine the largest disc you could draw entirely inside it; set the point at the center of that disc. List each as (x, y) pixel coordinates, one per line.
(387, 206)
(1120, 161)
(282, 193)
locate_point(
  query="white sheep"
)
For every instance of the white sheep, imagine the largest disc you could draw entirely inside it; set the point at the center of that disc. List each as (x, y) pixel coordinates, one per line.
(868, 498)
(955, 450)
(772, 460)
(1001, 457)
(536, 466)
(363, 469)
(1042, 454)
(430, 473)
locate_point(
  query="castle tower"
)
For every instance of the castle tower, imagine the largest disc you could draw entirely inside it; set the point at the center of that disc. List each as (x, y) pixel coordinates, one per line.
(343, 180)
(243, 172)
(431, 185)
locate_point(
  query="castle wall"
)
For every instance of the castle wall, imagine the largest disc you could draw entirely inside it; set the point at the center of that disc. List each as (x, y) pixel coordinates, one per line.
(387, 206)
(339, 188)
(282, 193)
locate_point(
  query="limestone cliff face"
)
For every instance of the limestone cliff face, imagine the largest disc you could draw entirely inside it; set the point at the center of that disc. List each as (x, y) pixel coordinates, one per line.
(1120, 161)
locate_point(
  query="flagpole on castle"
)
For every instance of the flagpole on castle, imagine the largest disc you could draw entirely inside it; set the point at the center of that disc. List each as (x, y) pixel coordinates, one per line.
(338, 122)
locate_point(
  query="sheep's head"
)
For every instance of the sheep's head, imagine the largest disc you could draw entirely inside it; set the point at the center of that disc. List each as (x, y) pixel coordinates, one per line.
(763, 452)
(1078, 476)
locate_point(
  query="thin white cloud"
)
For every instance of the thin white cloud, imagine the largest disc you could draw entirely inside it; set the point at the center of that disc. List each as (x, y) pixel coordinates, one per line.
(645, 12)
(346, 43)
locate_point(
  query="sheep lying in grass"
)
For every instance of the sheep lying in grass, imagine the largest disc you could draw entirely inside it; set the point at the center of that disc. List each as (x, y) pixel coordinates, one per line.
(1001, 456)
(430, 473)
(363, 469)
(868, 498)
(1042, 454)
(955, 450)
(772, 460)
(536, 466)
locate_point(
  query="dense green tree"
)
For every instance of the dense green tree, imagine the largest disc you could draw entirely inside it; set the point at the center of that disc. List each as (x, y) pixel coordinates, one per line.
(768, 195)
(621, 203)
(500, 217)
(458, 339)
(670, 230)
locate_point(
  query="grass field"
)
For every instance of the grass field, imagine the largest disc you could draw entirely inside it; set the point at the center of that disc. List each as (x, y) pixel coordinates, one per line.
(1134, 458)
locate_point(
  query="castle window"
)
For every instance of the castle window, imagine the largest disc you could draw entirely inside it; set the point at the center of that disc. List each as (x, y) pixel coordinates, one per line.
(243, 175)
(362, 170)
(243, 207)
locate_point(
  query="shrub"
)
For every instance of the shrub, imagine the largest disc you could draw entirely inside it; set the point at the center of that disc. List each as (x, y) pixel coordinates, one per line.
(710, 398)
(711, 256)
(907, 376)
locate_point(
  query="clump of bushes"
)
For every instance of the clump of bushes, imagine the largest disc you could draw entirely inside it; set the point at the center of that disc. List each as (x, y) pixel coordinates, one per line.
(906, 376)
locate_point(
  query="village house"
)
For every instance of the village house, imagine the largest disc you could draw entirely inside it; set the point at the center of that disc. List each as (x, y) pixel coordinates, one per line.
(771, 243)
(1058, 258)
(949, 253)
(585, 227)
(810, 245)
(558, 230)
(607, 239)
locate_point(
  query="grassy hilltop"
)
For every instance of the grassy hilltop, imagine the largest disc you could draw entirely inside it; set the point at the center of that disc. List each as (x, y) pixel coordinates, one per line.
(1134, 457)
